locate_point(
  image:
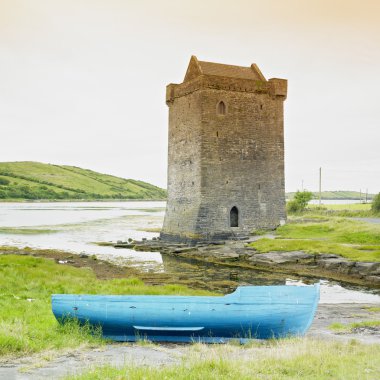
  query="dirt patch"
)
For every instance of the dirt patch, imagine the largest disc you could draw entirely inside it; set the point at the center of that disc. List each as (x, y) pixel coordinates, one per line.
(345, 314)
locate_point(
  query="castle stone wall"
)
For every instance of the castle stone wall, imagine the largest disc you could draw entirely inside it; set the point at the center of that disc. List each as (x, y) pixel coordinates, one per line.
(220, 161)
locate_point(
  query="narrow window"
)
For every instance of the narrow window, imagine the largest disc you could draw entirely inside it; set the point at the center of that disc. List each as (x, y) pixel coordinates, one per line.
(234, 217)
(221, 108)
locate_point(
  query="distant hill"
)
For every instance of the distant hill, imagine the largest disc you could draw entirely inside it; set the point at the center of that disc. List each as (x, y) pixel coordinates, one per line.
(34, 180)
(336, 195)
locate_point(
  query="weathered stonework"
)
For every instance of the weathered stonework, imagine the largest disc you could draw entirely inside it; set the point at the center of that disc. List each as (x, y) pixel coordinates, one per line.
(226, 153)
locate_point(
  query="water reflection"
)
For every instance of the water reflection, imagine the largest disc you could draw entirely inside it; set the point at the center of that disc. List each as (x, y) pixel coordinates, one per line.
(225, 279)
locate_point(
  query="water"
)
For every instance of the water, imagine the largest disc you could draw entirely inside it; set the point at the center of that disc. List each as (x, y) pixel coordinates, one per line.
(76, 226)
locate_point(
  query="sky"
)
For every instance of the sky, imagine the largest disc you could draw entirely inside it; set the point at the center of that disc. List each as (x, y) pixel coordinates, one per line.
(82, 82)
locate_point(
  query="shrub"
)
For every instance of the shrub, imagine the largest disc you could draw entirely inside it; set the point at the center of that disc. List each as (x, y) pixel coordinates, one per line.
(376, 204)
(299, 202)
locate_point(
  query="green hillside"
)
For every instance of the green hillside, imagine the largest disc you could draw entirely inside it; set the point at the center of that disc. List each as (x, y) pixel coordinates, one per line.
(340, 194)
(34, 180)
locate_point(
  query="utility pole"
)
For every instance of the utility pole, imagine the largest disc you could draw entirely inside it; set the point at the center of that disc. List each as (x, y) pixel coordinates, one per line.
(320, 185)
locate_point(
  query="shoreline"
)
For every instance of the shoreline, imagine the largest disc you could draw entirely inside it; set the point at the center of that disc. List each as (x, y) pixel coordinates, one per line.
(237, 254)
(77, 200)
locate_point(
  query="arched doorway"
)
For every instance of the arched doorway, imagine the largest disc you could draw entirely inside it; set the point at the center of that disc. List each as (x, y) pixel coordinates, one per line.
(234, 217)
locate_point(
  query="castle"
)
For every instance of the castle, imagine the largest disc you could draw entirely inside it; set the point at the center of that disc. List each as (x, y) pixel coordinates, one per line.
(226, 153)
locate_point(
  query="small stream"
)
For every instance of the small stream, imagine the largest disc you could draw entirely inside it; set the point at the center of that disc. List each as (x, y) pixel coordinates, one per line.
(76, 226)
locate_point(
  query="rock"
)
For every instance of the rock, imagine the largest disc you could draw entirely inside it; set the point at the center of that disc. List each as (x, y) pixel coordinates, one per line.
(374, 280)
(83, 256)
(364, 268)
(182, 249)
(119, 242)
(130, 240)
(124, 245)
(281, 257)
(328, 256)
(335, 264)
(229, 255)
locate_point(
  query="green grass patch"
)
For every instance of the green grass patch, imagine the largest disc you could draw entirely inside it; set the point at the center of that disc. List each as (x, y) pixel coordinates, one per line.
(315, 247)
(150, 229)
(25, 231)
(103, 243)
(340, 230)
(343, 207)
(347, 328)
(280, 360)
(27, 324)
(365, 324)
(343, 210)
(373, 309)
(354, 240)
(338, 327)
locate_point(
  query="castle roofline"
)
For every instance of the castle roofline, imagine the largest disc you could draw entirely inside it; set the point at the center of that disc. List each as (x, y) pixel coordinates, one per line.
(197, 68)
(217, 76)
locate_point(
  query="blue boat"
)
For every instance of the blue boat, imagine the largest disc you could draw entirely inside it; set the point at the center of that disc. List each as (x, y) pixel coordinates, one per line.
(250, 312)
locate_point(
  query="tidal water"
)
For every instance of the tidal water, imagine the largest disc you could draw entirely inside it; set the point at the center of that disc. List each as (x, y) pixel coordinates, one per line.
(76, 227)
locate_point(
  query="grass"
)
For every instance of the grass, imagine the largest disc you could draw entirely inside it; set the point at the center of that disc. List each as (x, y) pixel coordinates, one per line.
(346, 206)
(347, 328)
(280, 360)
(359, 210)
(335, 195)
(25, 231)
(27, 324)
(150, 229)
(373, 309)
(34, 180)
(354, 240)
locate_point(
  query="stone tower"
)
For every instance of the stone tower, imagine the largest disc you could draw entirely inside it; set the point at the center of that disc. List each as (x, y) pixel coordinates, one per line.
(226, 153)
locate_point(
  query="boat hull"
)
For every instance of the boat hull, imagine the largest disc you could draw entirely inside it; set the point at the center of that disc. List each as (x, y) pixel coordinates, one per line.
(251, 312)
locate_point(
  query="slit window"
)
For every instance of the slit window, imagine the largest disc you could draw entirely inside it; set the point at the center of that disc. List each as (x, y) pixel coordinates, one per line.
(221, 108)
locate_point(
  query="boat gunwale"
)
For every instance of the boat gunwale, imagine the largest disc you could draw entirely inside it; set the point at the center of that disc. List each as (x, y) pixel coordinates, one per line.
(233, 298)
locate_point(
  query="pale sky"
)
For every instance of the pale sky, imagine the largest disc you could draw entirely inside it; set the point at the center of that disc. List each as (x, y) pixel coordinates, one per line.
(82, 82)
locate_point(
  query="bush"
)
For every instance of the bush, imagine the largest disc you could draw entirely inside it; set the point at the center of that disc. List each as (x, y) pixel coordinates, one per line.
(376, 204)
(299, 202)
